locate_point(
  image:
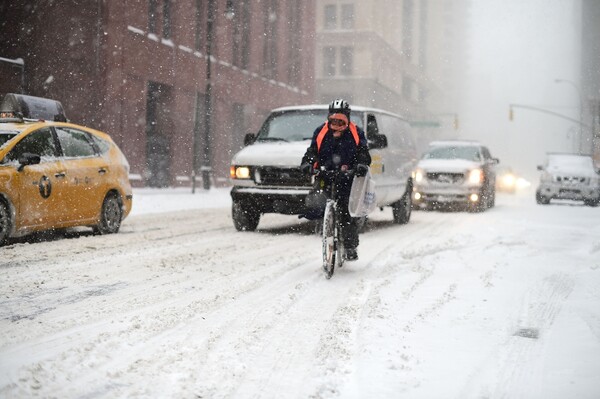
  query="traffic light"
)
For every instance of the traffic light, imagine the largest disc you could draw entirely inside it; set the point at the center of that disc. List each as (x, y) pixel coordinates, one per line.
(455, 122)
(510, 114)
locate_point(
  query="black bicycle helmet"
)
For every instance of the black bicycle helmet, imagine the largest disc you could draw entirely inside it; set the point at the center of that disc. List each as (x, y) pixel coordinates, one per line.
(339, 106)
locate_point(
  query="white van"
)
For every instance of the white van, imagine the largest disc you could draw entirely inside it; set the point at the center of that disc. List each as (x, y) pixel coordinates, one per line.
(266, 174)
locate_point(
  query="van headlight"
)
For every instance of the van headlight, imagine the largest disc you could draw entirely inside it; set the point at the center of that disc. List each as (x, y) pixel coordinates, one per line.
(476, 176)
(239, 172)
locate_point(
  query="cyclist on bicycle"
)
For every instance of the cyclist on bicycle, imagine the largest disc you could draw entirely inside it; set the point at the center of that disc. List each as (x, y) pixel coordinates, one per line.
(340, 144)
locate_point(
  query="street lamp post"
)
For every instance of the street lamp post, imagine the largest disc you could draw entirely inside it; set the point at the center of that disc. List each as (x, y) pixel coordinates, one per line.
(580, 110)
(206, 168)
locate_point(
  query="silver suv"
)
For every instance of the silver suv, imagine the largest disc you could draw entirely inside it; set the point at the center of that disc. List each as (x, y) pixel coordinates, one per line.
(569, 177)
(455, 172)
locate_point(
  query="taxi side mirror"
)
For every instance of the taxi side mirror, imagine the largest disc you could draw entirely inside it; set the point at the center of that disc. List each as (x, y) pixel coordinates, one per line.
(28, 159)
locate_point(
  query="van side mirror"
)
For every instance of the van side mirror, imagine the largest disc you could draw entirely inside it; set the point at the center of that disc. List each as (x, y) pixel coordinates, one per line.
(28, 159)
(249, 139)
(377, 141)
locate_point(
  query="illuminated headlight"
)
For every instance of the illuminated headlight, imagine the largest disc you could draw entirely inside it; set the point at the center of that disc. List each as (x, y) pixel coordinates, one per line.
(239, 172)
(418, 175)
(509, 180)
(476, 176)
(474, 197)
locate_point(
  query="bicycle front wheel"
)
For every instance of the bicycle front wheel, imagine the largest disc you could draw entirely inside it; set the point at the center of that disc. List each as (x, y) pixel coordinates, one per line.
(329, 240)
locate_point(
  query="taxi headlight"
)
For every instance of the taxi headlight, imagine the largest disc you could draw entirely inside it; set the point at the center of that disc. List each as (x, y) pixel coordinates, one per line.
(239, 172)
(476, 176)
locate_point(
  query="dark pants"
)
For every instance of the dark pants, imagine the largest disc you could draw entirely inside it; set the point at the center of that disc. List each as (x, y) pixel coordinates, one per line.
(349, 225)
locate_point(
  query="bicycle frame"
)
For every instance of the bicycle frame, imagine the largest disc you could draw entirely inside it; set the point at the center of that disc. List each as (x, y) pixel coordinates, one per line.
(332, 238)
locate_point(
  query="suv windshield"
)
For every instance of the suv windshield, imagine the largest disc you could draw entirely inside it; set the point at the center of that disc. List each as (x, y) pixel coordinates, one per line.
(571, 161)
(295, 125)
(453, 152)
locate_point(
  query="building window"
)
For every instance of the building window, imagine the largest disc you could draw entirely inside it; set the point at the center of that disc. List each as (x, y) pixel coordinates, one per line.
(407, 27)
(199, 22)
(152, 15)
(330, 16)
(347, 16)
(241, 33)
(270, 45)
(294, 36)
(346, 60)
(166, 19)
(329, 61)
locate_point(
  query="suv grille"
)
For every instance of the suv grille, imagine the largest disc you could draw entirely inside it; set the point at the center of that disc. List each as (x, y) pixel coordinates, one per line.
(571, 180)
(446, 178)
(273, 176)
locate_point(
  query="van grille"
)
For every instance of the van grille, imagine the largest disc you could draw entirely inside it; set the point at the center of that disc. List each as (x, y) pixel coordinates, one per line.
(274, 176)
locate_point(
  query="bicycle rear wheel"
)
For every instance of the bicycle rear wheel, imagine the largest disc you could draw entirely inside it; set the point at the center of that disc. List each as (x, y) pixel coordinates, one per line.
(329, 240)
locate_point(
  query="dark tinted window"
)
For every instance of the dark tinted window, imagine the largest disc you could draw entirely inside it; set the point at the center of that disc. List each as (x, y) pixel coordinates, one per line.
(75, 143)
(41, 142)
(5, 137)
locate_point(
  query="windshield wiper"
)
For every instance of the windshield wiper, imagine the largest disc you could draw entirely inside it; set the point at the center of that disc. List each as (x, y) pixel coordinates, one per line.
(271, 139)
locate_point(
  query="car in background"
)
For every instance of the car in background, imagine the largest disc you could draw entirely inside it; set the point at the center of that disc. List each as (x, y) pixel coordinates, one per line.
(508, 181)
(55, 174)
(455, 173)
(569, 177)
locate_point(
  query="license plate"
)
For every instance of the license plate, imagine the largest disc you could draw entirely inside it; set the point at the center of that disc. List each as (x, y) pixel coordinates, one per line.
(444, 198)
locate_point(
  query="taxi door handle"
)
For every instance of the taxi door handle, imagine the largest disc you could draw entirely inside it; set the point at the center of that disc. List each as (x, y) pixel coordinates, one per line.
(60, 175)
(102, 171)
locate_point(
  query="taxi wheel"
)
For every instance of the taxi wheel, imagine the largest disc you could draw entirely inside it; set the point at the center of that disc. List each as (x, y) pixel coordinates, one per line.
(4, 222)
(110, 215)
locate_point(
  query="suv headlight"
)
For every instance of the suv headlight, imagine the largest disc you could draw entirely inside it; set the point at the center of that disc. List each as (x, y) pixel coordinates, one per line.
(239, 172)
(476, 176)
(418, 175)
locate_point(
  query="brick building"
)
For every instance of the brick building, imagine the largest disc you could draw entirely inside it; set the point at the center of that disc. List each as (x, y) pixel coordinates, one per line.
(138, 70)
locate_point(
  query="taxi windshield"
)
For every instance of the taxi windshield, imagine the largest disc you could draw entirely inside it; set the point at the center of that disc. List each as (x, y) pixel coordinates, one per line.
(296, 125)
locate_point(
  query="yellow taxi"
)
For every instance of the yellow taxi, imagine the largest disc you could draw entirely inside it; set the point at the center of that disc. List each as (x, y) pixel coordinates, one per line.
(55, 174)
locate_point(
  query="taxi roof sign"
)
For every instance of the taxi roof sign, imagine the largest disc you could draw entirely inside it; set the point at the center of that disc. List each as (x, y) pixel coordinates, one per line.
(30, 107)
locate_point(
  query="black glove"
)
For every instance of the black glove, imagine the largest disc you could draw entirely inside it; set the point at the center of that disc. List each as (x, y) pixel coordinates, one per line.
(306, 168)
(361, 170)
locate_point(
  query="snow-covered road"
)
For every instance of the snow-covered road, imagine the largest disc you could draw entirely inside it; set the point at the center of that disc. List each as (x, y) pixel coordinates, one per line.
(502, 304)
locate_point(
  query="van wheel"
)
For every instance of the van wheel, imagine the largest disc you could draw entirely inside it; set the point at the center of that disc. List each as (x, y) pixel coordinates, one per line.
(111, 214)
(402, 209)
(245, 217)
(5, 223)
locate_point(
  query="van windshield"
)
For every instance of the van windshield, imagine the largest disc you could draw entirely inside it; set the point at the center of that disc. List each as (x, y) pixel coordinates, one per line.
(296, 125)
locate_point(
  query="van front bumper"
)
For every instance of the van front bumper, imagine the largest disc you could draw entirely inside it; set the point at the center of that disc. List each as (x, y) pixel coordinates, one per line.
(288, 201)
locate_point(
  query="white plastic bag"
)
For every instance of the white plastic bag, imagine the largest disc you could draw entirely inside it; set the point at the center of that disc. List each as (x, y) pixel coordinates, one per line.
(362, 196)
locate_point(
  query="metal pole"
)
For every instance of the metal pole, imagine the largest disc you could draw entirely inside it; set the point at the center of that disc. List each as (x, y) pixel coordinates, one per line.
(580, 110)
(206, 168)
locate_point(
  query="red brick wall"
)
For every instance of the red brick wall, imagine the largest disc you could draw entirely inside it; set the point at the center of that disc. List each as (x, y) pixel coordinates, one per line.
(101, 60)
